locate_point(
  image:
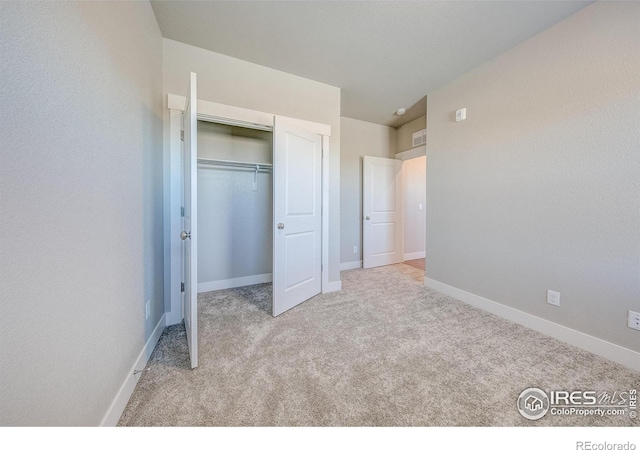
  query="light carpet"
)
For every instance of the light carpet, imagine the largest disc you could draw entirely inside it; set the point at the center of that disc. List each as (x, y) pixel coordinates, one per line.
(384, 351)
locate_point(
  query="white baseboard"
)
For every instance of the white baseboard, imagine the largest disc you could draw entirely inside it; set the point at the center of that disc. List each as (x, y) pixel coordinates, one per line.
(124, 394)
(608, 350)
(350, 265)
(416, 255)
(333, 287)
(234, 282)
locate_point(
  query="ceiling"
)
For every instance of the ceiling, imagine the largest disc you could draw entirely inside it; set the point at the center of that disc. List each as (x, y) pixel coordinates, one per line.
(384, 55)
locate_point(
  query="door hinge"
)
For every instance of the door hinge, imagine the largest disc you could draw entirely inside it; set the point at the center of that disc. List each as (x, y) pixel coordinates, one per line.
(182, 211)
(181, 287)
(182, 135)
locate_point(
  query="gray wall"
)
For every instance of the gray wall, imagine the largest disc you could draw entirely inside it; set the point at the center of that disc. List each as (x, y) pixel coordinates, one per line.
(231, 81)
(81, 205)
(539, 188)
(405, 133)
(358, 139)
(235, 223)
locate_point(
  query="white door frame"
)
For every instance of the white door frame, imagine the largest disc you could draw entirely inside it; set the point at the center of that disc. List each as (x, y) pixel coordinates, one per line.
(217, 112)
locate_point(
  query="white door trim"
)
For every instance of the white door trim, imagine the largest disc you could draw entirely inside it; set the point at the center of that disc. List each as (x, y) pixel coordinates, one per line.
(326, 286)
(172, 199)
(261, 119)
(172, 219)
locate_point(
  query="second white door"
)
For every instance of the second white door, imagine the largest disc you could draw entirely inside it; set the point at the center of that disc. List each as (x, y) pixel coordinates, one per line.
(382, 208)
(297, 213)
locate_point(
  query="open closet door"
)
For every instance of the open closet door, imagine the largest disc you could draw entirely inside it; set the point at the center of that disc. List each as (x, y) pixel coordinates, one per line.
(382, 207)
(189, 235)
(297, 213)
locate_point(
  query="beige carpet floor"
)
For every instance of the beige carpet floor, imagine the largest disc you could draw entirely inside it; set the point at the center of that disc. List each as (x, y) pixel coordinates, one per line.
(385, 351)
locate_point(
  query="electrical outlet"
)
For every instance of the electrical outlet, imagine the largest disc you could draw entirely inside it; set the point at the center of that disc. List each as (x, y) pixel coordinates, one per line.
(355, 249)
(553, 298)
(634, 320)
(147, 310)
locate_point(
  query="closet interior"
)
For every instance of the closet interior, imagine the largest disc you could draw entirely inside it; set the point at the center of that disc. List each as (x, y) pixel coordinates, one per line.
(235, 206)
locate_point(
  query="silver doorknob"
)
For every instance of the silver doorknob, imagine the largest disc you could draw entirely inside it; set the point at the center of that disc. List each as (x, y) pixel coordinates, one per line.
(280, 226)
(184, 235)
(367, 218)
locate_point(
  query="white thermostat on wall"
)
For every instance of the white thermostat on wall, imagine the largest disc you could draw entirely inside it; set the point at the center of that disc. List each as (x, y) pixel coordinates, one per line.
(461, 114)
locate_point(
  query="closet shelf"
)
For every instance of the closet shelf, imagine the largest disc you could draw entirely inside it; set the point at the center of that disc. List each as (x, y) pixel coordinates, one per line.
(238, 164)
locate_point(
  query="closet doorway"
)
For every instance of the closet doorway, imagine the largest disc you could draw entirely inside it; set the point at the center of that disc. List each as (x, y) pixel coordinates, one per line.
(259, 206)
(299, 223)
(235, 206)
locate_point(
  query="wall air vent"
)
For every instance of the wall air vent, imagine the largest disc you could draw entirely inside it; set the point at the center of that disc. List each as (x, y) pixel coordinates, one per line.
(419, 138)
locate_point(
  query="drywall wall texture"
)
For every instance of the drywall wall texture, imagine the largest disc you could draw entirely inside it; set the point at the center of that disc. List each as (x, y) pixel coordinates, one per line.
(81, 202)
(235, 222)
(405, 133)
(413, 180)
(538, 188)
(358, 139)
(231, 81)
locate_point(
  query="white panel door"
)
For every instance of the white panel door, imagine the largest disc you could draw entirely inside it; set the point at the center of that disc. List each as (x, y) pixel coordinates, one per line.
(189, 235)
(297, 215)
(382, 207)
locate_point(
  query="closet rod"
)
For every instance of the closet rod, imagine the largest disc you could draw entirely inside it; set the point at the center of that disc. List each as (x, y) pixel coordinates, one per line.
(239, 164)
